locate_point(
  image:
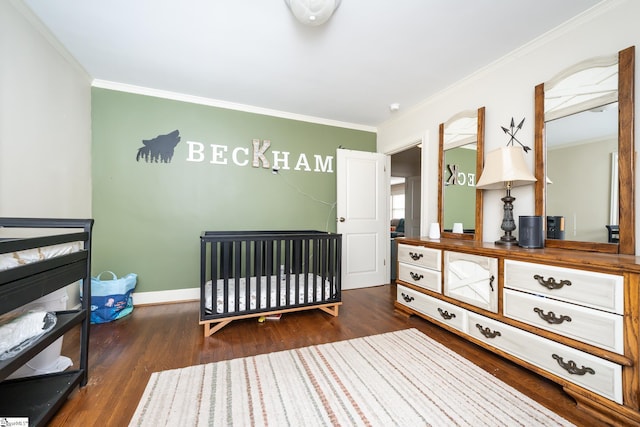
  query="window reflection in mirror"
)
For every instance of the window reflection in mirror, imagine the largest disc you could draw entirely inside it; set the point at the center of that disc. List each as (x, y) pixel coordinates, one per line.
(582, 160)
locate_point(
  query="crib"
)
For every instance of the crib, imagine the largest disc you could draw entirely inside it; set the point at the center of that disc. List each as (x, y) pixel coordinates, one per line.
(246, 274)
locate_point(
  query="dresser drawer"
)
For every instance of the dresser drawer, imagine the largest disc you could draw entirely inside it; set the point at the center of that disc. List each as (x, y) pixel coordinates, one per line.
(423, 277)
(595, 327)
(583, 369)
(472, 279)
(591, 289)
(439, 310)
(419, 255)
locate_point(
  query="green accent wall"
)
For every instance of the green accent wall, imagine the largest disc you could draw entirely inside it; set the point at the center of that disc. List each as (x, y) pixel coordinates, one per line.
(460, 199)
(149, 215)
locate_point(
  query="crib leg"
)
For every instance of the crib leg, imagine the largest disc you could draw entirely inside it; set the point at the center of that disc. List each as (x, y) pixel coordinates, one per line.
(332, 310)
(208, 330)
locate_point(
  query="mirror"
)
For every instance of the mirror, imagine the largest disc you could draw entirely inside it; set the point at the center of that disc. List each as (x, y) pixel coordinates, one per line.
(461, 151)
(584, 155)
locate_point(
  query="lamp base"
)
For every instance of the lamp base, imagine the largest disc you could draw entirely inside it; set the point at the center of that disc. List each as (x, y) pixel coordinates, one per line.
(505, 241)
(508, 224)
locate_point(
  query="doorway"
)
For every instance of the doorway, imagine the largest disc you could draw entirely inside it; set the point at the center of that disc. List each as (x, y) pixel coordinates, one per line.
(405, 197)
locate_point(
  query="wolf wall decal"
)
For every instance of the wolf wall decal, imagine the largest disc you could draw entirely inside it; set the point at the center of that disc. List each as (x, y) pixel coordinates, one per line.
(159, 149)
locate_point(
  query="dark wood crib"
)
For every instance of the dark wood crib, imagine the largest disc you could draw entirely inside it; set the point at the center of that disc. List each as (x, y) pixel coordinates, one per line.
(247, 274)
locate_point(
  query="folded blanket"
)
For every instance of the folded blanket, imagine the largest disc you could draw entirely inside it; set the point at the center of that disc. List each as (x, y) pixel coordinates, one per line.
(22, 331)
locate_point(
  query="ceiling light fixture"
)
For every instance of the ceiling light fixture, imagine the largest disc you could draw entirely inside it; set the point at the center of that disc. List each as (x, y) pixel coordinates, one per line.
(312, 12)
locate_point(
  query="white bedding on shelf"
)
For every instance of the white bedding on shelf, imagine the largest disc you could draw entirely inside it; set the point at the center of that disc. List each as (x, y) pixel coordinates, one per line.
(21, 331)
(263, 292)
(18, 330)
(16, 259)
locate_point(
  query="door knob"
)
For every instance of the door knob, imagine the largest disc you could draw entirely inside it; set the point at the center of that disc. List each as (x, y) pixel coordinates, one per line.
(341, 219)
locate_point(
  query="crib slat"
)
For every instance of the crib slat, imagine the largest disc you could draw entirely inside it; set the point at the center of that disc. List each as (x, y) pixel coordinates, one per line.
(321, 270)
(237, 272)
(287, 269)
(279, 271)
(255, 255)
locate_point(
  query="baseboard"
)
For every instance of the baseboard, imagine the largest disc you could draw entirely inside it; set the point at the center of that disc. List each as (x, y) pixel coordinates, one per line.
(165, 297)
(160, 297)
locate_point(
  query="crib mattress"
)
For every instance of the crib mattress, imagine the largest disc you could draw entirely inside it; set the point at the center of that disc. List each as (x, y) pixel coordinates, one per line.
(253, 303)
(16, 259)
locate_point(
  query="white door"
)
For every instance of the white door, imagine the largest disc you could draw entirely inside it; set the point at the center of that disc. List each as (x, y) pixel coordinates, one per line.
(362, 211)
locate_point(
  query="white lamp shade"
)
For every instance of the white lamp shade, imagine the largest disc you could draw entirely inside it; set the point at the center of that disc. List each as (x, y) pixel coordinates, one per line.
(312, 12)
(505, 165)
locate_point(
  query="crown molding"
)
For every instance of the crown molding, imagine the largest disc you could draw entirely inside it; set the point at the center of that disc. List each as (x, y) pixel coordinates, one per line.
(175, 96)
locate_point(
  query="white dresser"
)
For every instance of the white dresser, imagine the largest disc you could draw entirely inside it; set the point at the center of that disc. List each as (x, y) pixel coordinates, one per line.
(569, 316)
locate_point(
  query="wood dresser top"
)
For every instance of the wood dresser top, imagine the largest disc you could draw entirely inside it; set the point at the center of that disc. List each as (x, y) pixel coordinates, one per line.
(610, 263)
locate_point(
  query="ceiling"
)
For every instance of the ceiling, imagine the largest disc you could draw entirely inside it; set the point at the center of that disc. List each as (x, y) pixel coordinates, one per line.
(370, 54)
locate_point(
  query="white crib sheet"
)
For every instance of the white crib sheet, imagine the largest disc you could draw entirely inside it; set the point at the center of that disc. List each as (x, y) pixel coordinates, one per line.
(263, 292)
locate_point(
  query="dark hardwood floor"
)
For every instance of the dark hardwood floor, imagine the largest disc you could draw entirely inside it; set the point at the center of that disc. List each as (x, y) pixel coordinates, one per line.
(123, 354)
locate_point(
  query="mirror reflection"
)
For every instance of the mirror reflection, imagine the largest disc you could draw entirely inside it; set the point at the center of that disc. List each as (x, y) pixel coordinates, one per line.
(460, 145)
(584, 155)
(581, 131)
(582, 159)
(459, 188)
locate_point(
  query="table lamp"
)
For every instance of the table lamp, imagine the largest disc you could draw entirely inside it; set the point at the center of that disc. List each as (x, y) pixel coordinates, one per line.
(505, 168)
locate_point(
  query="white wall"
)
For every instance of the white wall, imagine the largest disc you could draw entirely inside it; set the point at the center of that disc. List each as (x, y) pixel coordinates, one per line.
(45, 123)
(506, 89)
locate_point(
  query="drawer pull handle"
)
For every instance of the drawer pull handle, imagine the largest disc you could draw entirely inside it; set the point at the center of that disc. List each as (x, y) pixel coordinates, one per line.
(551, 282)
(414, 256)
(550, 317)
(571, 366)
(446, 315)
(488, 333)
(407, 298)
(491, 279)
(415, 276)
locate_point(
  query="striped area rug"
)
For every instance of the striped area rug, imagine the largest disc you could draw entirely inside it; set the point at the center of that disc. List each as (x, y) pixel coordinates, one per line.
(399, 378)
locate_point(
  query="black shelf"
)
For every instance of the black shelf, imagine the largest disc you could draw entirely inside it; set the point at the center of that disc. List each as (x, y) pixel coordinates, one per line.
(65, 321)
(37, 398)
(21, 285)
